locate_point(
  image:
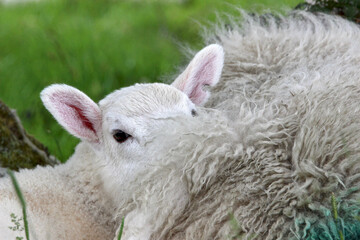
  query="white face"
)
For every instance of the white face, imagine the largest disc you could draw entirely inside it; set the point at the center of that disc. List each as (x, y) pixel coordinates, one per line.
(122, 126)
(132, 117)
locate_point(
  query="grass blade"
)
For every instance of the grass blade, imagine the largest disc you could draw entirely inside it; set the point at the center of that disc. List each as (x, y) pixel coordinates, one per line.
(22, 201)
(335, 214)
(121, 228)
(334, 207)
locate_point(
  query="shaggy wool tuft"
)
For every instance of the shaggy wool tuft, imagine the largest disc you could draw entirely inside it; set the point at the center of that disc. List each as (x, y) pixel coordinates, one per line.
(290, 89)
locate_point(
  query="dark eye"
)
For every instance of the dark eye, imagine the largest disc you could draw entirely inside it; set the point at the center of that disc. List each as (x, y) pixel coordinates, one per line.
(193, 113)
(120, 136)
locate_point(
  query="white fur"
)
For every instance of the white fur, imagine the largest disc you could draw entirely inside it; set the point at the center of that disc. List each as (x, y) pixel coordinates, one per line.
(105, 180)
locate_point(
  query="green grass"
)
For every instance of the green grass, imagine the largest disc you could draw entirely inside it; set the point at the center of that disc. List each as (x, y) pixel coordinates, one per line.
(121, 228)
(335, 214)
(96, 46)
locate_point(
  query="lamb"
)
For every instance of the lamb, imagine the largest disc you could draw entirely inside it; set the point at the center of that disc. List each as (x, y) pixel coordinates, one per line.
(290, 88)
(277, 137)
(130, 160)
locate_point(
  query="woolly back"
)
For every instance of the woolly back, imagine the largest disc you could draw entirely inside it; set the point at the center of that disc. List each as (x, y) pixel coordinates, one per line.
(290, 89)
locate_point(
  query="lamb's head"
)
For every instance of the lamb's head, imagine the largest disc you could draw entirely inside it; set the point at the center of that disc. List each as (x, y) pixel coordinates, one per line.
(132, 118)
(121, 125)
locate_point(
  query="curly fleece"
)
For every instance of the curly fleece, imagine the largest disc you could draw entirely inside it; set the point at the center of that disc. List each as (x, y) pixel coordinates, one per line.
(290, 89)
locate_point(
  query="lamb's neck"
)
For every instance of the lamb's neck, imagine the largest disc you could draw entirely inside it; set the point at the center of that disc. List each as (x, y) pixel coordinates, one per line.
(83, 173)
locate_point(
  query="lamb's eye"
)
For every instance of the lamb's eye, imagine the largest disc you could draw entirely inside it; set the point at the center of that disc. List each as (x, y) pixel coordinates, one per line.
(120, 136)
(193, 113)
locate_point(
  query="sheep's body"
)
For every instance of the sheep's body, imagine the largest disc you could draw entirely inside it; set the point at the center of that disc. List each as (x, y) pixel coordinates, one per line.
(291, 87)
(63, 202)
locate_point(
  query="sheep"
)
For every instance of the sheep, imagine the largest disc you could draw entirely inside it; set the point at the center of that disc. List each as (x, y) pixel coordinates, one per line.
(276, 139)
(130, 161)
(290, 88)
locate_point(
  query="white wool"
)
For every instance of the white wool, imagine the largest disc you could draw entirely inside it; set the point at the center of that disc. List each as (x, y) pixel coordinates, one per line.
(290, 89)
(63, 202)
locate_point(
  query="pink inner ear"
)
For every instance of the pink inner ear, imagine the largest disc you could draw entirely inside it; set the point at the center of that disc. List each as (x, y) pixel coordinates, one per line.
(204, 75)
(198, 95)
(85, 121)
(203, 70)
(77, 115)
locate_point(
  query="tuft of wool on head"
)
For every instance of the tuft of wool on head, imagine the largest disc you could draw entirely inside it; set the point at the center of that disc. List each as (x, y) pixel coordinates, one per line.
(290, 89)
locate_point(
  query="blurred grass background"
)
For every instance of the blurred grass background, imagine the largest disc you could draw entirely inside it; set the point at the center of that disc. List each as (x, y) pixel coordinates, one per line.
(97, 46)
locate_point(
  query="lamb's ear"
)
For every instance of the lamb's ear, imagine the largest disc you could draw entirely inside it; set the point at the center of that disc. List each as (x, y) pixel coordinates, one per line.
(204, 70)
(74, 110)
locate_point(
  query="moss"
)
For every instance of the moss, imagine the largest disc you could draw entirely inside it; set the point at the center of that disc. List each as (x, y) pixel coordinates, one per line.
(349, 9)
(17, 148)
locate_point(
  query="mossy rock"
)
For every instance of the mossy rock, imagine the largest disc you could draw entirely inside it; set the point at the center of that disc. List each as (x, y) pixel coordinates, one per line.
(17, 148)
(349, 9)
